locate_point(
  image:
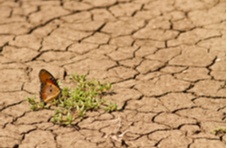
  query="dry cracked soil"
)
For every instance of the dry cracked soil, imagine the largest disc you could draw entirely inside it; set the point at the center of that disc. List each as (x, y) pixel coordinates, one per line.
(164, 58)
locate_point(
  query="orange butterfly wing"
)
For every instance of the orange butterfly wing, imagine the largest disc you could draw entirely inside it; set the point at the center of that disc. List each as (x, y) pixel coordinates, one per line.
(49, 87)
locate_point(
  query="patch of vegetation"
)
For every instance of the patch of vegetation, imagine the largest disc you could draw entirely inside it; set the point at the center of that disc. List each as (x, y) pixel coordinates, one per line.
(219, 131)
(74, 103)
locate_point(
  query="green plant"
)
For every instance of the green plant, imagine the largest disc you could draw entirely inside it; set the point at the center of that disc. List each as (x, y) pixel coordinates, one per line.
(87, 95)
(219, 131)
(111, 107)
(34, 106)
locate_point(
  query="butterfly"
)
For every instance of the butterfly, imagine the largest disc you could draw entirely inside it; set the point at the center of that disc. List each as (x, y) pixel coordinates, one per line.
(49, 86)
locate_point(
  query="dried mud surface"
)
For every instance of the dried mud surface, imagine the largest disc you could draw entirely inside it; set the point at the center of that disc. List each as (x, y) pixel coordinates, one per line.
(165, 59)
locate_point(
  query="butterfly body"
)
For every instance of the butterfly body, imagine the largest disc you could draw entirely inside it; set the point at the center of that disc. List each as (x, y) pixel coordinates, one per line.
(49, 87)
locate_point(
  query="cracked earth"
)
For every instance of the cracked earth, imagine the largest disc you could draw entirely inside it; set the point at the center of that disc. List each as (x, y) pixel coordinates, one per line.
(165, 59)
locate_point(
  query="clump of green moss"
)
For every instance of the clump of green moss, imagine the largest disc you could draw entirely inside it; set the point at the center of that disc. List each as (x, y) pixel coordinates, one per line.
(74, 103)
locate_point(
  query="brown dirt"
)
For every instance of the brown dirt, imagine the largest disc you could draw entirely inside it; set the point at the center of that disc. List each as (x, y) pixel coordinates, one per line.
(166, 60)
